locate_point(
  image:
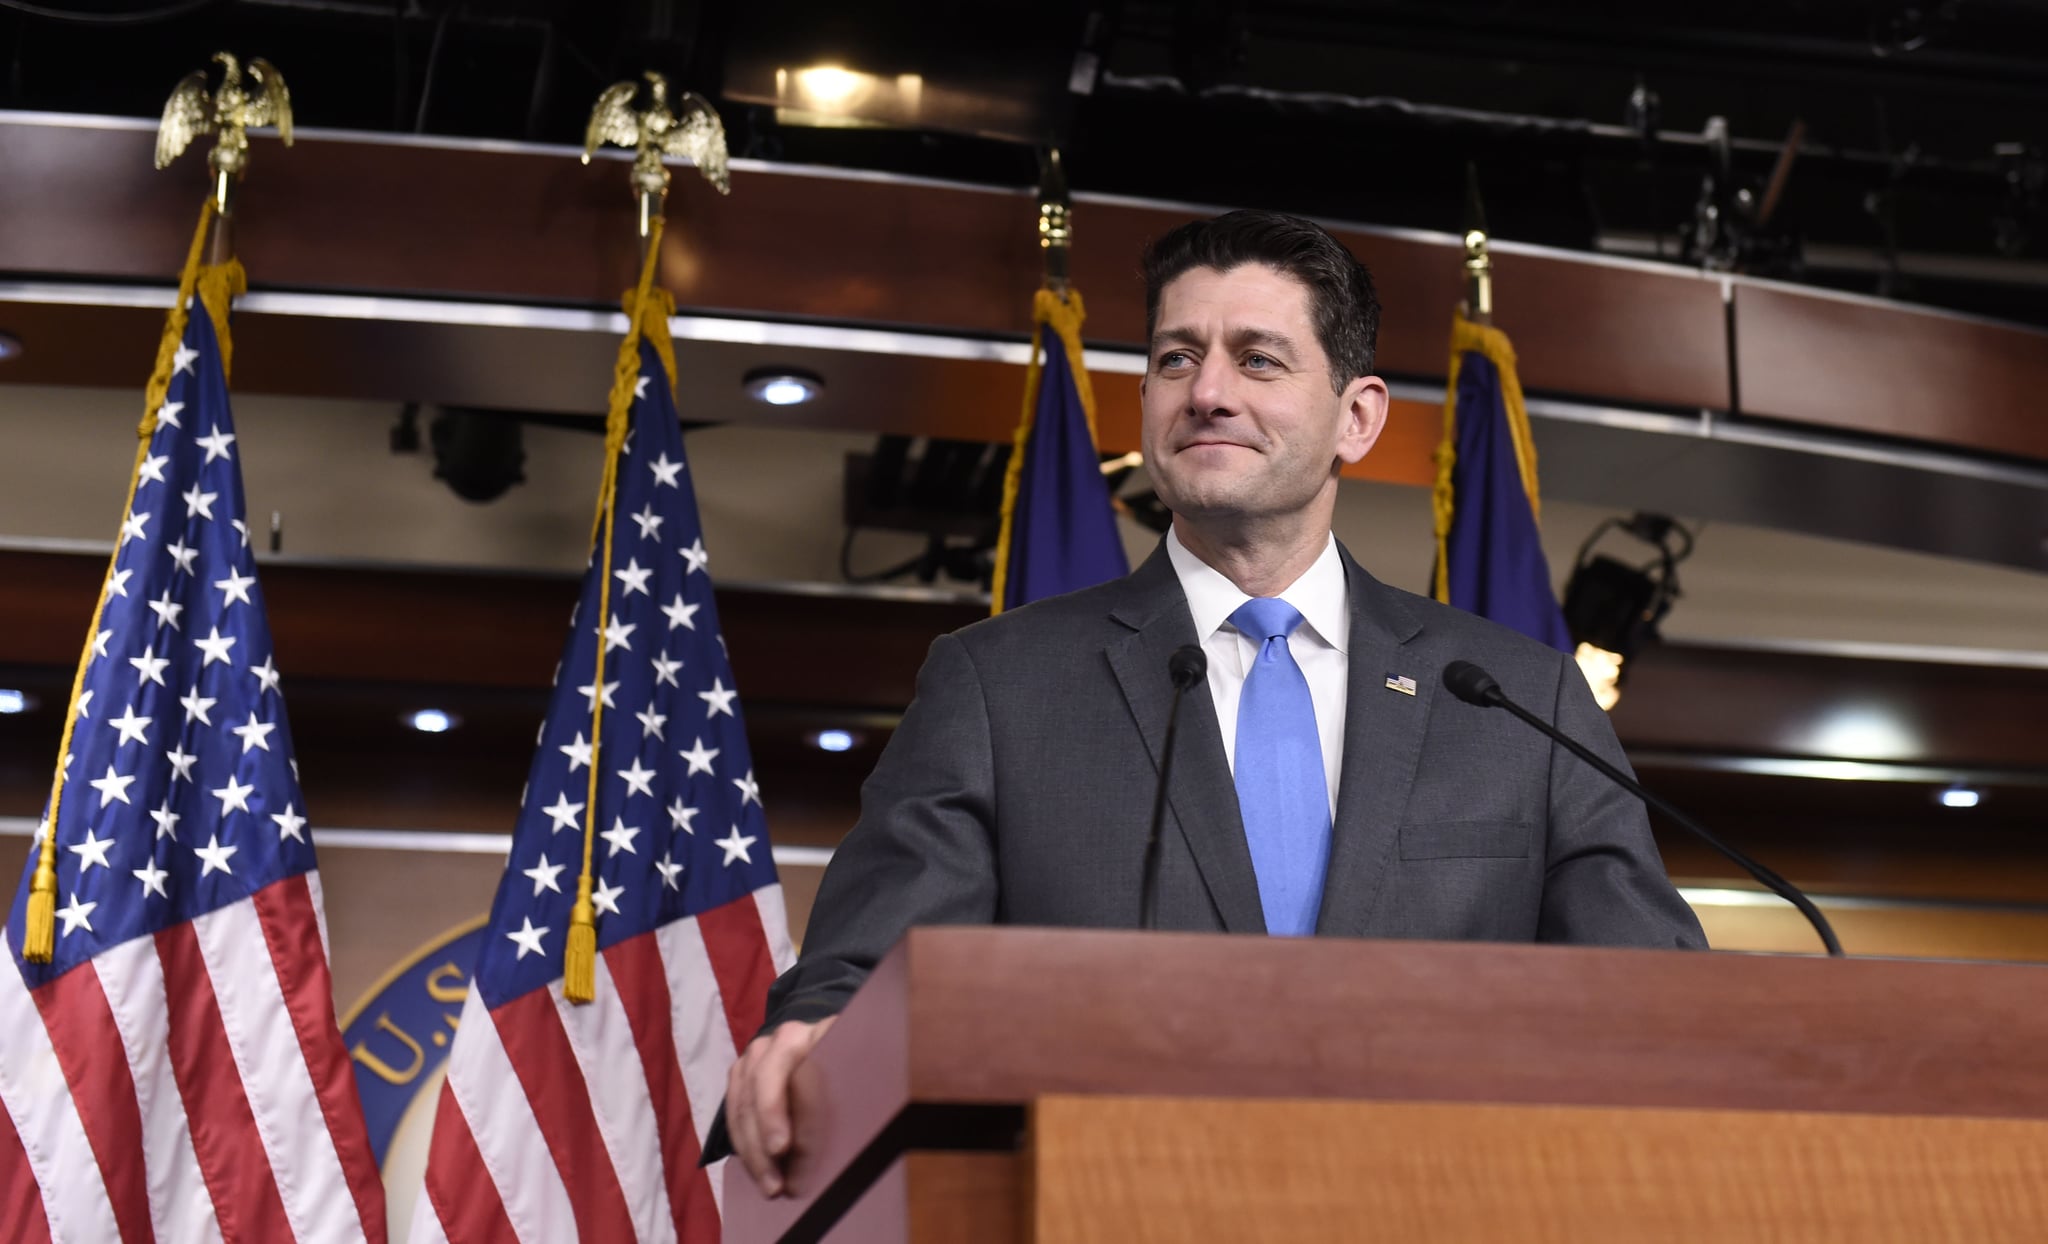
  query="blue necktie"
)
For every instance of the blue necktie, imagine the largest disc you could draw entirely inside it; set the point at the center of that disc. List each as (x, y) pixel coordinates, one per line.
(1281, 790)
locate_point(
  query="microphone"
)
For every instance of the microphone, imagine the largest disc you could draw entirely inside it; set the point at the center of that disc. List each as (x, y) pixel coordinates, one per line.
(1475, 686)
(1188, 666)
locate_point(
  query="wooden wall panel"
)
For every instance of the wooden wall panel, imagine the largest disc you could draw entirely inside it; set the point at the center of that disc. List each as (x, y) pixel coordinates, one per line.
(1932, 931)
(1862, 366)
(444, 627)
(531, 224)
(1773, 704)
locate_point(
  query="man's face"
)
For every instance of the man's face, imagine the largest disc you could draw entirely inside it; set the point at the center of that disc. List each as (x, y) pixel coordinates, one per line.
(1240, 417)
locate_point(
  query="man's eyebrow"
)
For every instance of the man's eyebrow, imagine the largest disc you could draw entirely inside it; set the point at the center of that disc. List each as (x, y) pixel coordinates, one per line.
(1237, 339)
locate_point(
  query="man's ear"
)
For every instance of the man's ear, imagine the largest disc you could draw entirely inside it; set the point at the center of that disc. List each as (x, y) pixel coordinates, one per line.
(1365, 417)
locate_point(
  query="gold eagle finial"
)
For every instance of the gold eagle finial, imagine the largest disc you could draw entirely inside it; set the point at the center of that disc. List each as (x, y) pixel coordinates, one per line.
(655, 132)
(228, 111)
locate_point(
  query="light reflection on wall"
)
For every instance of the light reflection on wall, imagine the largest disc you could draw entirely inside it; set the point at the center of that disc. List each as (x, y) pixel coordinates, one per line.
(1864, 732)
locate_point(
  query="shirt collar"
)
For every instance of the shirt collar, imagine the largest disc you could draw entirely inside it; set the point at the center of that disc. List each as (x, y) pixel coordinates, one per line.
(1320, 594)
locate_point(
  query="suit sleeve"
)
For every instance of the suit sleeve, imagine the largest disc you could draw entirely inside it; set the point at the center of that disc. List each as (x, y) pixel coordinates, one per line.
(923, 851)
(1605, 883)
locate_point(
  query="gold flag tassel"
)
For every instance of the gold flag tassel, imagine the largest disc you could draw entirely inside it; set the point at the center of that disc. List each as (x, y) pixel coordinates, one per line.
(39, 939)
(647, 313)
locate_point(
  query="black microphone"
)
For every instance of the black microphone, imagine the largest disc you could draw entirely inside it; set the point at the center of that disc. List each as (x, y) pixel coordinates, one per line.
(1474, 685)
(1187, 666)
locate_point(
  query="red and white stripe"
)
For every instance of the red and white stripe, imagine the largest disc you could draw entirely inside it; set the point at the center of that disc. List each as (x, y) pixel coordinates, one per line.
(561, 1122)
(189, 1086)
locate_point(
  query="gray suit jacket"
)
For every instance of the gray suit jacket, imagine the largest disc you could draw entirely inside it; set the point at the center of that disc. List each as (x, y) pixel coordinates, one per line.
(1019, 787)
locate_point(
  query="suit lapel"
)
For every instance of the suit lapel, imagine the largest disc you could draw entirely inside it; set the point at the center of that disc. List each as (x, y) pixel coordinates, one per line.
(1383, 732)
(1201, 793)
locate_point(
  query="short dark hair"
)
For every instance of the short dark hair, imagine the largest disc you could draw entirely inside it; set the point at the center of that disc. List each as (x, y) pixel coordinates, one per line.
(1342, 301)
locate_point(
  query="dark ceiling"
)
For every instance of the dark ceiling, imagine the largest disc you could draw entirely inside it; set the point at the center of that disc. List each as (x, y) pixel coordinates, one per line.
(1919, 174)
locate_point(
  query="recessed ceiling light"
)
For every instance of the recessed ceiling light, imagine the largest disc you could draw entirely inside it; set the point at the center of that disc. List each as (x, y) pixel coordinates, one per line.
(10, 346)
(1960, 797)
(12, 701)
(432, 721)
(779, 386)
(833, 740)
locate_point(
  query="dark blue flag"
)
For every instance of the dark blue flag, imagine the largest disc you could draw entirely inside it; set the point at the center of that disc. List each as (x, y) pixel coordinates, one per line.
(1059, 532)
(1489, 557)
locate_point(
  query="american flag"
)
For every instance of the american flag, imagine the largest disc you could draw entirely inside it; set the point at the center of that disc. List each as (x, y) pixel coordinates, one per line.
(175, 1072)
(561, 1121)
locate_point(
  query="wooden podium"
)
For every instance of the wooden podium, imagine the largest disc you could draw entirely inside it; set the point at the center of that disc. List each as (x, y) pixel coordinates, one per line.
(995, 1085)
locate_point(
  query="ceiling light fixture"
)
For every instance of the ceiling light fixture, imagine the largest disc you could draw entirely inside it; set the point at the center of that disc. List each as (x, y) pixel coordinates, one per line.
(1961, 797)
(834, 96)
(10, 346)
(433, 721)
(782, 386)
(12, 701)
(833, 740)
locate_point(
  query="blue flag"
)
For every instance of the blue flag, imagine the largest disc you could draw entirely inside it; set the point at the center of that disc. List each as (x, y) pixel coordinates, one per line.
(1059, 533)
(1489, 557)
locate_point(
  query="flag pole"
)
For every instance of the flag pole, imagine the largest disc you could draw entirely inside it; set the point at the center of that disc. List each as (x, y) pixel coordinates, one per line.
(1472, 331)
(653, 132)
(1057, 307)
(1055, 219)
(1478, 261)
(1469, 321)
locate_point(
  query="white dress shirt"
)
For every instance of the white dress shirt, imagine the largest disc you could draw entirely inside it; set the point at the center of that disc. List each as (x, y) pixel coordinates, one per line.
(1318, 645)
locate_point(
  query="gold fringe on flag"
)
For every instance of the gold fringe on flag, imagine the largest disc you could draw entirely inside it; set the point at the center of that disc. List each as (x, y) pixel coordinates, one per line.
(1493, 344)
(647, 314)
(1064, 314)
(217, 285)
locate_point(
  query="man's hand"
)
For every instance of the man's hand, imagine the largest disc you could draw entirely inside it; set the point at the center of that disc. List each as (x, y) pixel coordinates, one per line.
(757, 1099)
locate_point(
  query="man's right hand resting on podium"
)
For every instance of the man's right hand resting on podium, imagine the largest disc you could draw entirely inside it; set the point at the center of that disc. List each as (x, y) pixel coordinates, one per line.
(757, 1114)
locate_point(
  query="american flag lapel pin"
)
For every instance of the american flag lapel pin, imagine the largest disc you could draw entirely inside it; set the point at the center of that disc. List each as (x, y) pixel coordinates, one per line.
(1401, 683)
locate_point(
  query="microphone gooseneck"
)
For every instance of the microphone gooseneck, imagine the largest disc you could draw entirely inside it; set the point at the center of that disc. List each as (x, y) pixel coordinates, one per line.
(1186, 667)
(1474, 685)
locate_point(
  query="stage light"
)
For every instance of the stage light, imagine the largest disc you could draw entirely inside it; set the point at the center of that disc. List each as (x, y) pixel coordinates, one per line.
(10, 346)
(948, 492)
(783, 386)
(12, 701)
(1961, 797)
(1612, 609)
(833, 741)
(432, 721)
(478, 453)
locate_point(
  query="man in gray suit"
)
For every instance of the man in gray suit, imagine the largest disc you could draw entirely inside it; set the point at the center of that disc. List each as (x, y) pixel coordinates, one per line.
(1323, 783)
